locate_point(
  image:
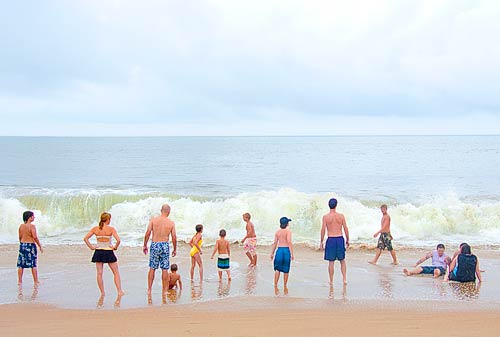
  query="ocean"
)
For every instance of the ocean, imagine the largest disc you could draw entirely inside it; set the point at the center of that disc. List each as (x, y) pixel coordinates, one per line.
(438, 188)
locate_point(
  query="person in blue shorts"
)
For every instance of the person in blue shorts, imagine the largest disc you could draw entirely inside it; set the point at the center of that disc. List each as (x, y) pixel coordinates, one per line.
(334, 223)
(284, 254)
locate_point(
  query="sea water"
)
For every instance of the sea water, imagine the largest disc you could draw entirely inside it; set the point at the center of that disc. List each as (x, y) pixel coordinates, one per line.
(438, 188)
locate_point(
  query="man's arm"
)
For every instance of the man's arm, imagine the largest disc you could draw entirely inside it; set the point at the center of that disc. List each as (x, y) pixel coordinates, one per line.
(246, 236)
(423, 258)
(35, 237)
(147, 236)
(228, 250)
(180, 283)
(174, 240)
(346, 232)
(322, 234)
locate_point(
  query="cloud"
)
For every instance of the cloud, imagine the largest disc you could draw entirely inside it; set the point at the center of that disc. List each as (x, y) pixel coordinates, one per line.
(222, 64)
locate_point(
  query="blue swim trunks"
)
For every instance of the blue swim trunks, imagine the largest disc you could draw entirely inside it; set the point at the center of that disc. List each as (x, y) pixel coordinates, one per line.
(159, 255)
(430, 270)
(282, 259)
(27, 255)
(335, 248)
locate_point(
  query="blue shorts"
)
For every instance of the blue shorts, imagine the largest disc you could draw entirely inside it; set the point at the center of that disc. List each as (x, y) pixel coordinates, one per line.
(335, 248)
(27, 255)
(159, 255)
(282, 259)
(430, 270)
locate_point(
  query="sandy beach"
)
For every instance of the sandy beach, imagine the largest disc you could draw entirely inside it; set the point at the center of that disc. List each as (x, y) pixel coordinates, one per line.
(379, 300)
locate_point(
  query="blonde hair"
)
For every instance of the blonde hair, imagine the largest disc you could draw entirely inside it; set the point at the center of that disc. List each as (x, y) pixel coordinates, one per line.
(104, 217)
(247, 215)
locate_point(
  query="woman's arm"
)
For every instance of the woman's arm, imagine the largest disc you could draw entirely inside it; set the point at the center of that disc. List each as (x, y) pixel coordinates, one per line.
(478, 272)
(87, 237)
(117, 238)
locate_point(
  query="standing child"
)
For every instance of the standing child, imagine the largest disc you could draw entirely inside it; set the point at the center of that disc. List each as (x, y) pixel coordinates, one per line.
(385, 238)
(284, 254)
(28, 240)
(195, 243)
(223, 248)
(175, 279)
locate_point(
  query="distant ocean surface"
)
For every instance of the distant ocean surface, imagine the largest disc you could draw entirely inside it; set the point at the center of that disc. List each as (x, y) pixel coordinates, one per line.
(438, 188)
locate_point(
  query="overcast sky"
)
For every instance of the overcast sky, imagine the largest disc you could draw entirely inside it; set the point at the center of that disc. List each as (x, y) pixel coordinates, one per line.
(98, 68)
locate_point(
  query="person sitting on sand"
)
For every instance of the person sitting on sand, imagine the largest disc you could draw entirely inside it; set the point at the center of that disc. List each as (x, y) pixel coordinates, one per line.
(195, 253)
(223, 248)
(284, 254)
(104, 251)
(465, 267)
(334, 223)
(28, 240)
(250, 241)
(175, 278)
(385, 238)
(440, 262)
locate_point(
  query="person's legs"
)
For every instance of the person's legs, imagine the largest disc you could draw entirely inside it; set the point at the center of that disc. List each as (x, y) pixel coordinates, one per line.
(285, 279)
(331, 269)
(191, 272)
(394, 258)
(343, 269)
(250, 257)
(151, 278)
(220, 275)
(228, 275)
(276, 278)
(116, 273)
(197, 258)
(20, 276)
(255, 259)
(377, 255)
(415, 271)
(34, 272)
(165, 279)
(100, 283)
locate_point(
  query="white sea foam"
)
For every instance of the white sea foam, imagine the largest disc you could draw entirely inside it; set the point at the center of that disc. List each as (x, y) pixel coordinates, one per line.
(64, 217)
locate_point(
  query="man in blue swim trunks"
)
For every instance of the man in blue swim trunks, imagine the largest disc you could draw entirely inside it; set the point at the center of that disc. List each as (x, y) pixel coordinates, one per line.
(440, 262)
(162, 228)
(334, 223)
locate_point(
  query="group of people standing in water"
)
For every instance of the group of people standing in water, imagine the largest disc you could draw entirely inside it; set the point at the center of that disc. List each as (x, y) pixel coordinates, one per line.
(463, 267)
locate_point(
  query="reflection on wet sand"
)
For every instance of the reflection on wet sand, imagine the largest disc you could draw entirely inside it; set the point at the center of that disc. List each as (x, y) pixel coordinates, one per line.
(196, 291)
(331, 293)
(385, 283)
(224, 289)
(466, 291)
(100, 301)
(251, 281)
(118, 301)
(34, 293)
(173, 295)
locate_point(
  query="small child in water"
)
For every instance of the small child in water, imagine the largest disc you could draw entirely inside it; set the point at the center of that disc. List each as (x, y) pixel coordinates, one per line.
(175, 279)
(195, 243)
(222, 247)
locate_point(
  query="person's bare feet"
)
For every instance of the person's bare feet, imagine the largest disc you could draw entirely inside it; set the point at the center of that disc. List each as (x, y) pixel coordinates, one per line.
(394, 263)
(406, 272)
(372, 262)
(285, 291)
(276, 291)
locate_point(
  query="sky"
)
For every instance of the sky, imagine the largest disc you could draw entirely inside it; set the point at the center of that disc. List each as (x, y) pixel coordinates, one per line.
(273, 67)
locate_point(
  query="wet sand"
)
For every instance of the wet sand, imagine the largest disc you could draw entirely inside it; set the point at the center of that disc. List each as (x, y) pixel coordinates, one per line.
(378, 300)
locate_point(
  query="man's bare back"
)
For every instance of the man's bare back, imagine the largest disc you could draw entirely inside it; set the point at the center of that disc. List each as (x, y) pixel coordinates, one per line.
(334, 222)
(161, 227)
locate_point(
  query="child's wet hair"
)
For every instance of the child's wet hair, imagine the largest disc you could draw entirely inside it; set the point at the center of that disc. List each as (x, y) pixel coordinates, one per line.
(222, 233)
(173, 267)
(198, 228)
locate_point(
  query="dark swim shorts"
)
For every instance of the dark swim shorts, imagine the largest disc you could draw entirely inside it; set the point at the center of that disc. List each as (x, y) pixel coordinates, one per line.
(430, 270)
(282, 260)
(335, 248)
(385, 241)
(27, 255)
